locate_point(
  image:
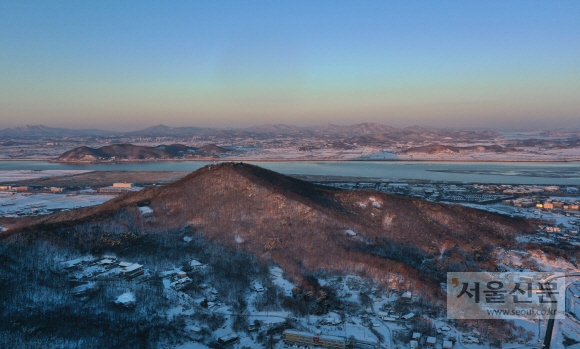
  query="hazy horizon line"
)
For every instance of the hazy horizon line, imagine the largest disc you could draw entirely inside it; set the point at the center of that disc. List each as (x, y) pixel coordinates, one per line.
(303, 126)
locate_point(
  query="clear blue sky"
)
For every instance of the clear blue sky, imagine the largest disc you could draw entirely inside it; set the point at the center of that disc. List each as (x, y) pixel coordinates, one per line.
(131, 64)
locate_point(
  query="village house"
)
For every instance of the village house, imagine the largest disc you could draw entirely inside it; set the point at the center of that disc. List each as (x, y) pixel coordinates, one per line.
(547, 205)
(119, 188)
(195, 265)
(106, 262)
(131, 270)
(84, 289)
(122, 185)
(180, 283)
(228, 339)
(21, 188)
(431, 341)
(471, 340)
(330, 321)
(386, 316)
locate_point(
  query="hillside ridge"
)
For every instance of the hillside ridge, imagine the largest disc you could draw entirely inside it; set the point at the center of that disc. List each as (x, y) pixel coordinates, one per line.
(138, 152)
(301, 226)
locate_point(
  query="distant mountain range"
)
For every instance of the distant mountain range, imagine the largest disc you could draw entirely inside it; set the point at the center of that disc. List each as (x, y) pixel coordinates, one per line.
(162, 130)
(326, 130)
(30, 131)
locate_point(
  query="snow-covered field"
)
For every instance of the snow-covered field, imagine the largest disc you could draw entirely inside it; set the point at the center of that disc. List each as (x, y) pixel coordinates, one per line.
(526, 154)
(19, 204)
(374, 153)
(292, 153)
(19, 175)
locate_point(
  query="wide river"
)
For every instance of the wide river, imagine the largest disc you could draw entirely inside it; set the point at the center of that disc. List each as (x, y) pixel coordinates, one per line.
(561, 173)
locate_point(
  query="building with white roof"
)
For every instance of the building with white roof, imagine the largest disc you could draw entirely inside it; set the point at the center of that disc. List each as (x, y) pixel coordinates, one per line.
(131, 271)
(431, 341)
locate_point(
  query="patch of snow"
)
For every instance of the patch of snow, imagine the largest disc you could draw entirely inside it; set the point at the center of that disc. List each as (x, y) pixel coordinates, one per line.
(350, 232)
(258, 287)
(126, 299)
(166, 284)
(388, 221)
(279, 280)
(145, 210)
(375, 202)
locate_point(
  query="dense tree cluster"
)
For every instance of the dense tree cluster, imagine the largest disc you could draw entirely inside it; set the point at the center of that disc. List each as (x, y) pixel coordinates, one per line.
(38, 308)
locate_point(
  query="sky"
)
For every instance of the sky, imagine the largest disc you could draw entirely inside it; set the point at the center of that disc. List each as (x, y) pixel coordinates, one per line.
(124, 65)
